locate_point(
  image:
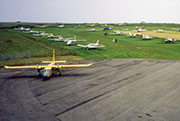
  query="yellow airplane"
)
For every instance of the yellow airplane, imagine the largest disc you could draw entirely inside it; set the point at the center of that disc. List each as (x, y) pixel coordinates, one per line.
(48, 70)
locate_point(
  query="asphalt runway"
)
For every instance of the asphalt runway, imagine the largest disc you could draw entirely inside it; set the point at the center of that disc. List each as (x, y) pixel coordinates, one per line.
(110, 90)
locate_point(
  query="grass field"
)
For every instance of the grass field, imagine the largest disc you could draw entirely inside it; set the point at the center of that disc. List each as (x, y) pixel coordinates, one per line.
(28, 46)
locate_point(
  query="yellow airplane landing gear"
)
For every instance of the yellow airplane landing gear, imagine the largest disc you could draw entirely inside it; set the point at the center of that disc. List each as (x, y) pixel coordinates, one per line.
(57, 72)
(39, 72)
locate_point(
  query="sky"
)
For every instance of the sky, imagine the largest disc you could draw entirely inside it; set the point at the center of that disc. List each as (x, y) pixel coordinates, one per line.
(90, 11)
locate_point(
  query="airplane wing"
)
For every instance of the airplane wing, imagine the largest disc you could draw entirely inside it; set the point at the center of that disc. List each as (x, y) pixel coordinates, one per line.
(79, 65)
(81, 45)
(54, 61)
(68, 38)
(81, 40)
(36, 34)
(100, 46)
(23, 67)
(53, 39)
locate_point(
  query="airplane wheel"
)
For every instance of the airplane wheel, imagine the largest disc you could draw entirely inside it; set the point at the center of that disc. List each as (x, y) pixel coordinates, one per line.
(38, 74)
(58, 73)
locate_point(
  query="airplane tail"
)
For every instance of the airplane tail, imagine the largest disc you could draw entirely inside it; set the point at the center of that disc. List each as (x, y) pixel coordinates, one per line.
(53, 59)
(74, 37)
(97, 42)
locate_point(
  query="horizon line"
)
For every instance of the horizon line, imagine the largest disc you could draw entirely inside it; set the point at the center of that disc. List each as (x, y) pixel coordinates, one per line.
(143, 22)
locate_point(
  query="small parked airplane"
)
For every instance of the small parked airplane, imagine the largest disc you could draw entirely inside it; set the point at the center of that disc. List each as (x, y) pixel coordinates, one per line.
(146, 37)
(52, 36)
(92, 25)
(48, 70)
(71, 41)
(116, 33)
(43, 34)
(141, 30)
(92, 45)
(160, 31)
(60, 39)
(169, 40)
(93, 30)
(132, 35)
(61, 26)
(22, 28)
(42, 26)
(34, 32)
(27, 29)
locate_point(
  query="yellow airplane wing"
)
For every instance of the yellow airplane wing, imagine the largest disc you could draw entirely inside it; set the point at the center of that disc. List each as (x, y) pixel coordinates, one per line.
(80, 65)
(54, 61)
(21, 67)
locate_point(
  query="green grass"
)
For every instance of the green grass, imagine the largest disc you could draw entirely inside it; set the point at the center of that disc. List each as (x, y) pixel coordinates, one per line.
(23, 46)
(28, 46)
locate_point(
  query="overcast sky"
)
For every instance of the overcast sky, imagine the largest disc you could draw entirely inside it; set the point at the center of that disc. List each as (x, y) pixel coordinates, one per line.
(80, 11)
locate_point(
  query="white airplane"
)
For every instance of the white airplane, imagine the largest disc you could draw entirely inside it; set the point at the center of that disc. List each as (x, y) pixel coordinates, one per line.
(110, 27)
(116, 33)
(132, 35)
(146, 37)
(43, 34)
(27, 29)
(160, 30)
(71, 41)
(61, 39)
(169, 40)
(42, 26)
(92, 25)
(21, 28)
(92, 45)
(52, 36)
(34, 32)
(61, 26)
(141, 30)
(93, 30)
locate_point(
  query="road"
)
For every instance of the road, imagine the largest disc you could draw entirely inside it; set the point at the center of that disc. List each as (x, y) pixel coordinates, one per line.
(110, 90)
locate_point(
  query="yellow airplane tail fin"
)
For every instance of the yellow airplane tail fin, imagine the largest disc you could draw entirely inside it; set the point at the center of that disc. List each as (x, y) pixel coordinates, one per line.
(53, 59)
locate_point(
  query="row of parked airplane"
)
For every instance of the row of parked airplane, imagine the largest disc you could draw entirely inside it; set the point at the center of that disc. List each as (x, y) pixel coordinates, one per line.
(59, 38)
(70, 41)
(144, 37)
